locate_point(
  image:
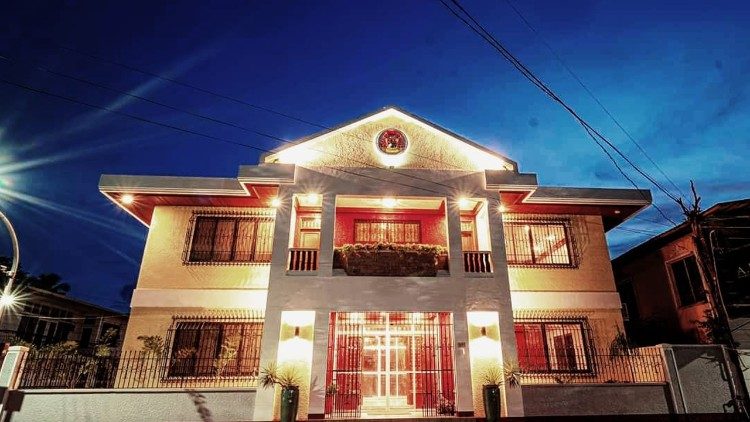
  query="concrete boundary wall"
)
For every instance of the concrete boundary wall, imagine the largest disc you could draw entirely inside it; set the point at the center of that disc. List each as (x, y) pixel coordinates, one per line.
(118, 405)
(596, 399)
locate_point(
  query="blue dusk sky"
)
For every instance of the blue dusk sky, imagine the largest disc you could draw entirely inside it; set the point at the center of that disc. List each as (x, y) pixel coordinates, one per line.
(674, 74)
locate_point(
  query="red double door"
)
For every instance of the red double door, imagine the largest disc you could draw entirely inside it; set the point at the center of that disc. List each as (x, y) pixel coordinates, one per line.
(390, 363)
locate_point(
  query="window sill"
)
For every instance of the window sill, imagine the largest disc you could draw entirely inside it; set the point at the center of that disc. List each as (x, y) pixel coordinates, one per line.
(301, 273)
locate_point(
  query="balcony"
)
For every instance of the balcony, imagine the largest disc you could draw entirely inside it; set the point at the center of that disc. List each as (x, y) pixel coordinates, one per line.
(304, 247)
(391, 237)
(475, 241)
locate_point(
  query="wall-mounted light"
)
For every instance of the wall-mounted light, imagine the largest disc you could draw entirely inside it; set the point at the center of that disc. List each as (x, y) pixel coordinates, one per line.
(463, 203)
(483, 331)
(502, 208)
(617, 211)
(389, 202)
(275, 202)
(127, 198)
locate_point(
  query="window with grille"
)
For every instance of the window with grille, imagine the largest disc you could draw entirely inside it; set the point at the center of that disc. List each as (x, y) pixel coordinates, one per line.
(552, 346)
(539, 243)
(231, 239)
(372, 231)
(688, 281)
(215, 348)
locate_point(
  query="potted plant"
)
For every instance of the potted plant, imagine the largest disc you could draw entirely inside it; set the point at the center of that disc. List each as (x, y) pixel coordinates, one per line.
(494, 376)
(288, 378)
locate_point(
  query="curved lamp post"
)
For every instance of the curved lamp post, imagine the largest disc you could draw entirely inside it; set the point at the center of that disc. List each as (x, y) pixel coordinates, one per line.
(6, 298)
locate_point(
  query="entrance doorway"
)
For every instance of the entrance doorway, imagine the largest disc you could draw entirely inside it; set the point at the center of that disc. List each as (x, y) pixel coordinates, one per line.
(390, 364)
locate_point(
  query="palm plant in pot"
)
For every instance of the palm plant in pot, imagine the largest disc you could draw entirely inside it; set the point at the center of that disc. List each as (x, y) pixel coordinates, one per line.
(288, 378)
(493, 377)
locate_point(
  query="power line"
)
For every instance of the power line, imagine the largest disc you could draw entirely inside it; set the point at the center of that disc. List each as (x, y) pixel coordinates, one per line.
(229, 98)
(591, 94)
(192, 132)
(218, 121)
(590, 130)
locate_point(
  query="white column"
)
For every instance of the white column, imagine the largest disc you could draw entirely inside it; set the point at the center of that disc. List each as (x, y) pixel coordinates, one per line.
(464, 399)
(319, 364)
(456, 265)
(327, 223)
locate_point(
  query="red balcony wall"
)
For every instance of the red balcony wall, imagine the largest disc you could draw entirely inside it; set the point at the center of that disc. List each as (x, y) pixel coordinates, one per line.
(433, 230)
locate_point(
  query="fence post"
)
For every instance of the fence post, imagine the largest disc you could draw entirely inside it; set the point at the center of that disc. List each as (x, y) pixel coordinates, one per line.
(672, 375)
(11, 371)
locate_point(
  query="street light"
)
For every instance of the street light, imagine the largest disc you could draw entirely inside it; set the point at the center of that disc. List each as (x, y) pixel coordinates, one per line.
(7, 298)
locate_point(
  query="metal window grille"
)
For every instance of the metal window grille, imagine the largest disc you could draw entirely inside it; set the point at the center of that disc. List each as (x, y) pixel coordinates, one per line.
(371, 231)
(540, 242)
(386, 363)
(229, 239)
(554, 345)
(211, 346)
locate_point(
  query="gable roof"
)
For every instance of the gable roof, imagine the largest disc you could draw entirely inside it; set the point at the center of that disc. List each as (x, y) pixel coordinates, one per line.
(383, 110)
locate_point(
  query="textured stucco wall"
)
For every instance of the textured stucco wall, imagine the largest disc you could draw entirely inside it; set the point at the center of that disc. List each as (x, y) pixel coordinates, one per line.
(595, 399)
(162, 265)
(428, 148)
(702, 375)
(594, 272)
(432, 226)
(130, 406)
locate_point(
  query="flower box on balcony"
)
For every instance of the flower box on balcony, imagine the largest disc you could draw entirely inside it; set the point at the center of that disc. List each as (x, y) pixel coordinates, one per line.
(394, 260)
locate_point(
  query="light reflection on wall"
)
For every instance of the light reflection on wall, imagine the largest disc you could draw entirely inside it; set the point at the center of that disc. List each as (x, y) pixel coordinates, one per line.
(295, 354)
(484, 351)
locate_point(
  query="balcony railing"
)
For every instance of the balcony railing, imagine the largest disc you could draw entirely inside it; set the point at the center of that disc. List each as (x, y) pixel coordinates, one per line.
(477, 262)
(303, 259)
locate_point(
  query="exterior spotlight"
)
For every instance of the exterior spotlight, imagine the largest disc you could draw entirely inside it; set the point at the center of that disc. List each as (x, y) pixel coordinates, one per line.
(483, 331)
(127, 198)
(296, 331)
(617, 211)
(389, 202)
(275, 202)
(463, 202)
(502, 208)
(312, 198)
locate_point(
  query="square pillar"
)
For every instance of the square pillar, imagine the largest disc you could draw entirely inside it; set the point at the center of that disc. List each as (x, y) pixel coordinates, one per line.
(455, 257)
(319, 366)
(327, 228)
(464, 398)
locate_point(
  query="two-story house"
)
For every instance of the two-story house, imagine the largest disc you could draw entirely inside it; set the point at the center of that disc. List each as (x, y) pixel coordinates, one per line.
(390, 261)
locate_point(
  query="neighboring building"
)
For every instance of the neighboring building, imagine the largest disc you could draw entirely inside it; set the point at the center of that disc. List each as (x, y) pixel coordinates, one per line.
(44, 318)
(664, 290)
(308, 259)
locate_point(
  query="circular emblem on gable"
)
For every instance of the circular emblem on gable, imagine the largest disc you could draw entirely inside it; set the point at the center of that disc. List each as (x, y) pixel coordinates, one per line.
(392, 141)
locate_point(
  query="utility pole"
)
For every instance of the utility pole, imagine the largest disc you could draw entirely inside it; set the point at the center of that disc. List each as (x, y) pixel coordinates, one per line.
(6, 298)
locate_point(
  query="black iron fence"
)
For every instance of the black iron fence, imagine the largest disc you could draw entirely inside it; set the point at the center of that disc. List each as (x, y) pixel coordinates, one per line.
(577, 365)
(129, 369)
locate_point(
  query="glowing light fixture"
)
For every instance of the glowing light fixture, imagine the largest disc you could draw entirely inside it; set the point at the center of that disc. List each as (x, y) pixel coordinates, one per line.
(275, 202)
(463, 202)
(389, 202)
(127, 198)
(7, 300)
(502, 208)
(617, 211)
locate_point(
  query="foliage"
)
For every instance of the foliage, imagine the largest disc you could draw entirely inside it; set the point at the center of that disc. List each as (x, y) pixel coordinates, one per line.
(620, 346)
(285, 376)
(17, 341)
(63, 348)
(509, 373)
(392, 247)
(46, 281)
(228, 353)
(332, 389)
(715, 330)
(152, 344)
(445, 406)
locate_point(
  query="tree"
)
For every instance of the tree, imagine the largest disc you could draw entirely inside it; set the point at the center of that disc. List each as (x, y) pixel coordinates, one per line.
(46, 281)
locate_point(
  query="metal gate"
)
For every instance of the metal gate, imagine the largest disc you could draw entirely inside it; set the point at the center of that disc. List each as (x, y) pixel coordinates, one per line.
(390, 364)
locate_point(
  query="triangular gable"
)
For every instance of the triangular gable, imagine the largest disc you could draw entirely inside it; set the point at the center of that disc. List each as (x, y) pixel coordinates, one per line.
(361, 143)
